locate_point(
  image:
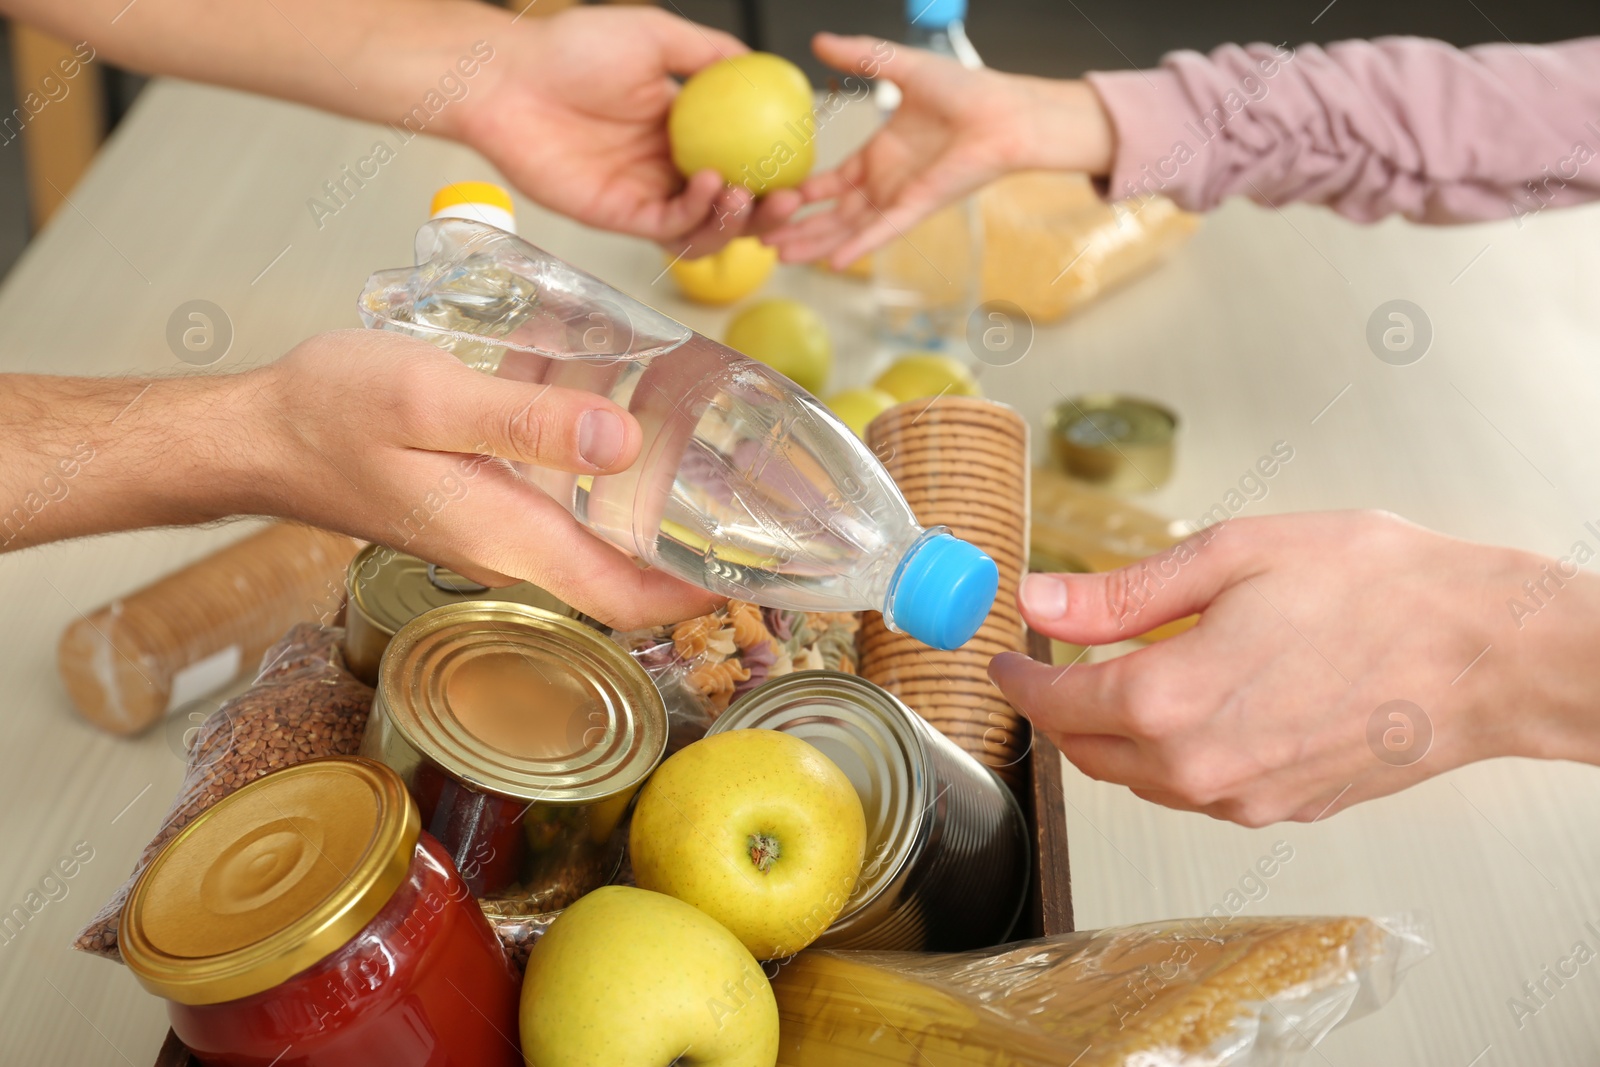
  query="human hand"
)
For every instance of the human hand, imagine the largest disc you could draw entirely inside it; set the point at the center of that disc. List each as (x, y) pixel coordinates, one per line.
(954, 131)
(387, 438)
(577, 119)
(1309, 624)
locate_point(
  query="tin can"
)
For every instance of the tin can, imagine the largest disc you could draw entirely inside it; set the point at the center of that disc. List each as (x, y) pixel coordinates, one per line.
(523, 736)
(387, 589)
(948, 860)
(1120, 443)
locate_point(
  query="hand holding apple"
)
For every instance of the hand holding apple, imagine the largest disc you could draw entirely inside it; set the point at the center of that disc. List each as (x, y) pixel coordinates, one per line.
(626, 976)
(757, 829)
(749, 119)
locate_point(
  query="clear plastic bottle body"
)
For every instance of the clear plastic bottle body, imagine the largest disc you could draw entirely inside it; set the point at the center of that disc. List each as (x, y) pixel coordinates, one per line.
(925, 282)
(745, 484)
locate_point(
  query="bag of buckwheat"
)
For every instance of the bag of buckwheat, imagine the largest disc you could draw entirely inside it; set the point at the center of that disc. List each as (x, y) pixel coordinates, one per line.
(303, 705)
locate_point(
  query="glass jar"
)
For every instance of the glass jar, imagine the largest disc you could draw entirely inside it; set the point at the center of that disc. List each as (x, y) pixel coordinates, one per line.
(307, 920)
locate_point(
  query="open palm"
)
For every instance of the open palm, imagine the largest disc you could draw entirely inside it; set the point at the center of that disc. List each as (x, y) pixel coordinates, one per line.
(955, 130)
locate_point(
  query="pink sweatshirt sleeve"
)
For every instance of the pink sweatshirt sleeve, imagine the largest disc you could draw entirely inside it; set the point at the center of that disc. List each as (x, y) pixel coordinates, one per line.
(1399, 125)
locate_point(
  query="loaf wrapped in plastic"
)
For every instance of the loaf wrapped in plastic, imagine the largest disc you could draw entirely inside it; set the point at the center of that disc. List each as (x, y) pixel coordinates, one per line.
(1217, 993)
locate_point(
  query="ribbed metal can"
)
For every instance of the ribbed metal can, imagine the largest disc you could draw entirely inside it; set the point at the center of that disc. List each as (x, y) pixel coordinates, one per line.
(948, 859)
(523, 736)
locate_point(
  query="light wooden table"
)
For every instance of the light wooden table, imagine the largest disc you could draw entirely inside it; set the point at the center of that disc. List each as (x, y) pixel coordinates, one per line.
(1249, 332)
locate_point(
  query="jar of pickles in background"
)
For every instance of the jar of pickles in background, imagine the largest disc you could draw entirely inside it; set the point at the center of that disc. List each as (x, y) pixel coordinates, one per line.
(523, 736)
(308, 916)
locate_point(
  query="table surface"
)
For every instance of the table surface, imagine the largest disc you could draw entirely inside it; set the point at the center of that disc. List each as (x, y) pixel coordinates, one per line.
(1251, 331)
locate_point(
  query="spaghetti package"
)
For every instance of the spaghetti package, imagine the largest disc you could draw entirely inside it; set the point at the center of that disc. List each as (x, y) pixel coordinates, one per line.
(1187, 993)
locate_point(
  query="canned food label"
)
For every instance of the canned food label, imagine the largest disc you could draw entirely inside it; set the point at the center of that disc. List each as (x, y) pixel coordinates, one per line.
(205, 676)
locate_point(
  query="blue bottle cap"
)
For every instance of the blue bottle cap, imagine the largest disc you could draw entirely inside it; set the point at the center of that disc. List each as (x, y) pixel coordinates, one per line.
(935, 13)
(943, 592)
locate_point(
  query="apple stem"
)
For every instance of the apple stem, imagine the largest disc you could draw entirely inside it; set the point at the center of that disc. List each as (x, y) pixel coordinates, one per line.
(763, 851)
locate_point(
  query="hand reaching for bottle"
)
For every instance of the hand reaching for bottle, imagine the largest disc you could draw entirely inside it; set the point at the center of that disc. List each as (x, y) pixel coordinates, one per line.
(1309, 625)
(955, 130)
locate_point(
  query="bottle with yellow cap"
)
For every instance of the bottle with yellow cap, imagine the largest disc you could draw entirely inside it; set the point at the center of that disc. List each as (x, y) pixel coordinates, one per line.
(483, 202)
(746, 484)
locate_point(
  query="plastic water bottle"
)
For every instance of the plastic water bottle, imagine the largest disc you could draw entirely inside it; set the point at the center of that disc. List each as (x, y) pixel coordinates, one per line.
(925, 282)
(745, 484)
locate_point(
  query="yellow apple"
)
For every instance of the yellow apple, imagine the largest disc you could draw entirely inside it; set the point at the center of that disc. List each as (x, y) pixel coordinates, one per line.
(749, 119)
(625, 976)
(757, 829)
(926, 374)
(858, 407)
(733, 273)
(788, 337)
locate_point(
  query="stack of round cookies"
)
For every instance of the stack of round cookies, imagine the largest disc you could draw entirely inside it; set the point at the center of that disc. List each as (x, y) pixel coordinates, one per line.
(961, 463)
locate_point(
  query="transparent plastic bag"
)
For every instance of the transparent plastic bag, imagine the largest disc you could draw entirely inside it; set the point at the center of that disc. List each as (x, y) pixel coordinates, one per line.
(1194, 993)
(703, 664)
(303, 705)
(1052, 245)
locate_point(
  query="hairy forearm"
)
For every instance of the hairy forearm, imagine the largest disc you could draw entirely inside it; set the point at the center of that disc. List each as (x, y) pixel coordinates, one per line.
(83, 456)
(369, 59)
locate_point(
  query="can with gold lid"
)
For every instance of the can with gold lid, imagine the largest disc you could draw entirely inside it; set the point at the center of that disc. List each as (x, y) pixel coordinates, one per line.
(1120, 443)
(523, 735)
(947, 862)
(308, 910)
(387, 589)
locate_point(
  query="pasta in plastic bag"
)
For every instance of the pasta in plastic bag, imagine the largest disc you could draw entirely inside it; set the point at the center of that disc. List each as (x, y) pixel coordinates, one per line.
(1194, 993)
(1052, 245)
(703, 664)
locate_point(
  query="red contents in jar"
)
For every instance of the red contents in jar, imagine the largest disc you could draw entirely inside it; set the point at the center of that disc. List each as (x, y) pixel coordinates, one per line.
(425, 984)
(481, 831)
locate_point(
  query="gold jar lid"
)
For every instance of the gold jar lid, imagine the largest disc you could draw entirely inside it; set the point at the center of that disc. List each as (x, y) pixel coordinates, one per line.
(269, 881)
(517, 701)
(390, 588)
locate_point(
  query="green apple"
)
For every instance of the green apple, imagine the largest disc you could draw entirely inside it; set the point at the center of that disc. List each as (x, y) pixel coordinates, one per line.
(749, 119)
(918, 375)
(626, 976)
(857, 408)
(787, 336)
(757, 829)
